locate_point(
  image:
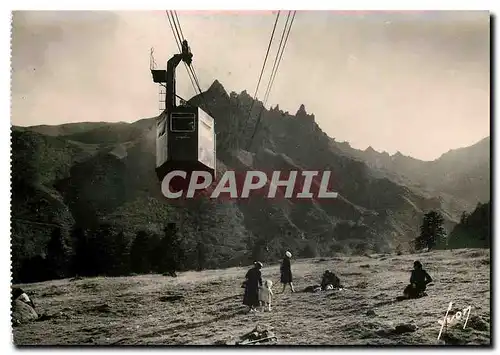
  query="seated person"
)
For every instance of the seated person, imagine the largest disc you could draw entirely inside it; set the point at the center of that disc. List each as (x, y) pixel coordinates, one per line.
(418, 281)
(19, 294)
(329, 278)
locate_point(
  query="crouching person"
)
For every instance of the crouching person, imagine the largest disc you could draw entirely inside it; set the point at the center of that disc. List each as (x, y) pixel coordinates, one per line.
(330, 281)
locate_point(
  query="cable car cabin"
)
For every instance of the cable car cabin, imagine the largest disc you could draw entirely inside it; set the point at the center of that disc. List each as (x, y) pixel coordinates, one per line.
(185, 141)
(185, 138)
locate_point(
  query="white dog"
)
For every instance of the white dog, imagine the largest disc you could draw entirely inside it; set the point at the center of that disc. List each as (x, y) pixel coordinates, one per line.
(266, 295)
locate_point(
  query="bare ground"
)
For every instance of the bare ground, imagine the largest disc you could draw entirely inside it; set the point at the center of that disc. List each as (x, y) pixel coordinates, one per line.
(138, 311)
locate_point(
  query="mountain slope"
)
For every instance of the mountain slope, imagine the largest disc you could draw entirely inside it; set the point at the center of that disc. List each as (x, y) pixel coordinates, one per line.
(460, 177)
(474, 229)
(105, 172)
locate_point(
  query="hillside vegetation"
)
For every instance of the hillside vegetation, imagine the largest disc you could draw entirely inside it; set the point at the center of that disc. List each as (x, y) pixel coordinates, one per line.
(99, 178)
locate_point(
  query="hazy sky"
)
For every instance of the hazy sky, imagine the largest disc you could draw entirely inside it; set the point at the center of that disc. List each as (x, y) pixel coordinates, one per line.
(413, 82)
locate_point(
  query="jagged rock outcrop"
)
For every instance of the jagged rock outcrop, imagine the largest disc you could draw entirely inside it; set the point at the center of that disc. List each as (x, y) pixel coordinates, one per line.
(105, 172)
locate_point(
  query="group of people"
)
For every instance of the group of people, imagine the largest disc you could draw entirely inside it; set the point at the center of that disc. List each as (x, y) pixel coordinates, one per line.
(259, 293)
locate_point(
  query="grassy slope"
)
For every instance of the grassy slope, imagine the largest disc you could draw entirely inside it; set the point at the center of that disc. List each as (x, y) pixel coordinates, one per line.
(211, 309)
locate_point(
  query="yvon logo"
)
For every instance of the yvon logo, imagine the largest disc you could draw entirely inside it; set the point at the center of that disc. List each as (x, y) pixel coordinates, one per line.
(234, 185)
(456, 318)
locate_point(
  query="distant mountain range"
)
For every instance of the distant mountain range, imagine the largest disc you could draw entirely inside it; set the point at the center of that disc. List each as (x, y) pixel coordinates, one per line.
(460, 177)
(86, 173)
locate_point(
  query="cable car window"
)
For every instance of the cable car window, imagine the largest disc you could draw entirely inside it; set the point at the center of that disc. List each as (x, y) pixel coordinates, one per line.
(182, 122)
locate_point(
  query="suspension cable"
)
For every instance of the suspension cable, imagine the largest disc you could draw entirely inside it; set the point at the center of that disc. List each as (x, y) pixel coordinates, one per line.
(277, 60)
(180, 34)
(180, 29)
(179, 37)
(261, 73)
(176, 28)
(178, 40)
(173, 31)
(271, 81)
(190, 67)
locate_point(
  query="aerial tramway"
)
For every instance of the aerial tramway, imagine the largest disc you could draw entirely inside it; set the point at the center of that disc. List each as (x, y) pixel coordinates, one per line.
(185, 134)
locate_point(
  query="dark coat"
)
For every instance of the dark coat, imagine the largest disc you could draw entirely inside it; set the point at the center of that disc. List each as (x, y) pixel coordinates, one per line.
(286, 271)
(252, 283)
(420, 278)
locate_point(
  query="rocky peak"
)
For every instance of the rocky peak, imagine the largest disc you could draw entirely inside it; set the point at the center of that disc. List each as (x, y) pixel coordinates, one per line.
(302, 113)
(217, 88)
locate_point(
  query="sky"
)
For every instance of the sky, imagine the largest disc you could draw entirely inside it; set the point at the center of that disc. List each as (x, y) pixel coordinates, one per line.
(414, 82)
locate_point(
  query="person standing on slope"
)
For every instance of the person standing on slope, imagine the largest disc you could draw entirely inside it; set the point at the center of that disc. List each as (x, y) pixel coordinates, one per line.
(253, 280)
(286, 272)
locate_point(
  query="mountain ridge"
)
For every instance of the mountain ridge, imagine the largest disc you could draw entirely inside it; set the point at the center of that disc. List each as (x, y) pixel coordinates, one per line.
(104, 172)
(79, 127)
